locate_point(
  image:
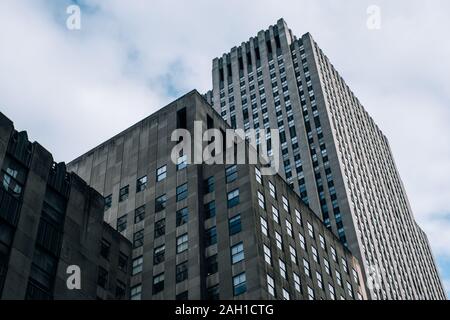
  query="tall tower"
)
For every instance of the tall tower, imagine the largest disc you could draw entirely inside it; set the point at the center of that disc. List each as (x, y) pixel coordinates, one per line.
(333, 154)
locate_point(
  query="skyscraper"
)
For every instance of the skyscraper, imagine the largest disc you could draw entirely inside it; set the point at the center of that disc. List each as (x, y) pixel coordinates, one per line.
(212, 231)
(333, 154)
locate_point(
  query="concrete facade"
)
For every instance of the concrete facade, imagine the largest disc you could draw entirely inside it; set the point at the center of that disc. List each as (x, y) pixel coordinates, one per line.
(333, 154)
(50, 220)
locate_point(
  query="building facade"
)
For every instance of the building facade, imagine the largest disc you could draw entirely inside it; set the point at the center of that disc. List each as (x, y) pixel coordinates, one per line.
(51, 221)
(333, 154)
(212, 231)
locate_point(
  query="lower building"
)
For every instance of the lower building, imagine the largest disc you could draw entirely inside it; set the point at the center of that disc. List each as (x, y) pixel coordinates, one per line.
(53, 241)
(213, 231)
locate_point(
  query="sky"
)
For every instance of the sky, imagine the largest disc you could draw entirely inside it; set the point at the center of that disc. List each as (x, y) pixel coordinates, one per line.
(73, 89)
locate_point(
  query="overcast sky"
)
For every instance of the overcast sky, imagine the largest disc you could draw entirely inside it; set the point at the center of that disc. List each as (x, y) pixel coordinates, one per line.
(72, 89)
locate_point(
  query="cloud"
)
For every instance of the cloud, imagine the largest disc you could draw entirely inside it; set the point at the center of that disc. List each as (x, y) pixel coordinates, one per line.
(73, 89)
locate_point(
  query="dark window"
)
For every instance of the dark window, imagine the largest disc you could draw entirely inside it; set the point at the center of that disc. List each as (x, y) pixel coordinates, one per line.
(210, 209)
(213, 293)
(210, 236)
(211, 265)
(182, 192)
(139, 214)
(123, 262)
(120, 290)
(13, 176)
(105, 249)
(182, 296)
(231, 173)
(160, 203)
(158, 283)
(182, 216)
(158, 254)
(233, 198)
(141, 184)
(181, 119)
(108, 202)
(234, 225)
(122, 223)
(209, 122)
(160, 228)
(182, 272)
(102, 279)
(138, 239)
(208, 185)
(123, 194)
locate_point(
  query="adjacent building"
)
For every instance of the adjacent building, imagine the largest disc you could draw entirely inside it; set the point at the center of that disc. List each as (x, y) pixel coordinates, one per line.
(212, 231)
(51, 227)
(333, 155)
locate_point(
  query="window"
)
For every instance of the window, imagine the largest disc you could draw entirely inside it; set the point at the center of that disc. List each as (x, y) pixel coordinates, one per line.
(261, 200)
(319, 280)
(231, 173)
(298, 217)
(141, 184)
(123, 262)
(182, 243)
(333, 254)
(182, 296)
(139, 214)
(102, 279)
(182, 192)
(181, 272)
(293, 254)
(233, 198)
(282, 268)
(13, 177)
(137, 265)
(210, 209)
(270, 286)
(213, 293)
(237, 253)
(272, 190)
(158, 283)
(331, 291)
(322, 242)
(123, 194)
(297, 283)
(310, 293)
(338, 278)
(161, 173)
(211, 265)
(210, 236)
(258, 175)
(105, 249)
(182, 162)
(108, 202)
(279, 241)
(136, 292)
(344, 265)
(289, 228)
(276, 215)
(158, 254)
(285, 204)
(349, 289)
(120, 290)
(306, 267)
(267, 255)
(208, 185)
(327, 266)
(234, 224)
(310, 230)
(355, 276)
(285, 295)
(264, 226)
(160, 228)
(160, 203)
(122, 223)
(138, 239)
(182, 216)
(302, 241)
(239, 284)
(314, 253)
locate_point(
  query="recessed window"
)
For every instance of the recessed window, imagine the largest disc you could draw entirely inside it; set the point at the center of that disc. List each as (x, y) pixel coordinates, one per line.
(267, 255)
(231, 173)
(122, 223)
(293, 254)
(102, 279)
(182, 192)
(182, 243)
(279, 240)
(160, 228)
(239, 284)
(310, 230)
(331, 291)
(210, 236)
(285, 204)
(282, 268)
(297, 283)
(161, 173)
(182, 162)
(208, 185)
(105, 249)
(233, 198)
(137, 265)
(182, 296)
(108, 202)
(286, 295)
(138, 239)
(270, 286)
(139, 214)
(136, 292)
(315, 255)
(182, 216)
(210, 209)
(141, 184)
(272, 190)
(211, 265)
(310, 293)
(213, 293)
(319, 280)
(338, 278)
(258, 175)
(306, 267)
(181, 272)
(160, 203)
(234, 224)
(159, 254)
(120, 290)
(158, 283)
(123, 194)
(123, 262)
(237, 253)
(298, 217)
(302, 241)
(264, 228)
(275, 215)
(289, 228)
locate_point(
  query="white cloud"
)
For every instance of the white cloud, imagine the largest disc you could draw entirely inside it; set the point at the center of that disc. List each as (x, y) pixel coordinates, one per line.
(73, 89)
